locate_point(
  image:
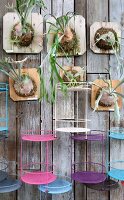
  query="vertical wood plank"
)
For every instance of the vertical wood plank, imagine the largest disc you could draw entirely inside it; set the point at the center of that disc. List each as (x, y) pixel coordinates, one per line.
(99, 121)
(30, 119)
(96, 11)
(116, 147)
(46, 108)
(80, 148)
(11, 140)
(61, 7)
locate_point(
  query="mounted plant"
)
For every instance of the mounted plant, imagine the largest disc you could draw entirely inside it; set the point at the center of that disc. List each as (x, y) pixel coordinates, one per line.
(69, 32)
(22, 83)
(72, 76)
(105, 37)
(26, 28)
(61, 33)
(106, 95)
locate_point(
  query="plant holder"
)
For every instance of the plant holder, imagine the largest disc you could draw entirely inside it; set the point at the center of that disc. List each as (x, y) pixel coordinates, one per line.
(73, 70)
(116, 170)
(32, 172)
(3, 170)
(117, 133)
(35, 20)
(9, 185)
(61, 185)
(76, 124)
(95, 174)
(106, 185)
(95, 91)
(89, 172)
(4, 114)
(108, 26)
(77, 24)
(33, 74)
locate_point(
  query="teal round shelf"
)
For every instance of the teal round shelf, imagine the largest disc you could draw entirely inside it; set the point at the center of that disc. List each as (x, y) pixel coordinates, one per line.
(117, 133)
(3, 129)
(116, 169)
(59, 186)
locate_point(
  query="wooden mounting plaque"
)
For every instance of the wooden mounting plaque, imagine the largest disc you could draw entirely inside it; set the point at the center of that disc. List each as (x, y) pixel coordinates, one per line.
(97, 25)
(95, 90)
(36, 20)
(32, 72)
(77, 68)
(77, 23)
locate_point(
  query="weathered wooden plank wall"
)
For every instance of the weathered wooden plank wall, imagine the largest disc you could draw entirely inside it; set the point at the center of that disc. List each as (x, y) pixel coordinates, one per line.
(33, 115)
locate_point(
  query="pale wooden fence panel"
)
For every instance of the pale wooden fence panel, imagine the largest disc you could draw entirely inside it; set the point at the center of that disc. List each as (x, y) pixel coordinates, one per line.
(33, 115)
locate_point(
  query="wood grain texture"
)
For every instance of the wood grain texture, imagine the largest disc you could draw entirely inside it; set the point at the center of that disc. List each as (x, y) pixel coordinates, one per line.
(99, 121)
(116, 146)
(11, 146)
(61, 7)
(96, 11)
(35, 115)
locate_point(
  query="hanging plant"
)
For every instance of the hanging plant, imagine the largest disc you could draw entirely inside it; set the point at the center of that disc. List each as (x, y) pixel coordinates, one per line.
(64, 34)
(23, 84)
(106, 38)
(107, 96)
(22, 32)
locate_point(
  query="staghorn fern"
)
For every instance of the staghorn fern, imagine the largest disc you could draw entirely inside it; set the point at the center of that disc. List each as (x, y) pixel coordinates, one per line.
(23, 9)
(110, 91)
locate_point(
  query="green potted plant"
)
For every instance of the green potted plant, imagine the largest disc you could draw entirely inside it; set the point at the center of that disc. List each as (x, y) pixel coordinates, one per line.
(22, 81)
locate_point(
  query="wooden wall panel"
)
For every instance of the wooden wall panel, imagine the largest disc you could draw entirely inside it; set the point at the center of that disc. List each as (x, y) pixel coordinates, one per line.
(116, 147)
(60, 7)
(10, 149)
(35, 115)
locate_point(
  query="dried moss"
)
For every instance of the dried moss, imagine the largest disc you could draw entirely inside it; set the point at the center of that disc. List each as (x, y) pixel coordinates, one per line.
(102, 44)
(70, 47)
(25, 39)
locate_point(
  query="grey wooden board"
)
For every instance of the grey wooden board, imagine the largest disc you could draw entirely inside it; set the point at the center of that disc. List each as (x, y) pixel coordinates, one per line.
(92, 10)
(99, 121)
(96, 11)
(10, 148)
(116, 147)
(46, 108)
(62, 7)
